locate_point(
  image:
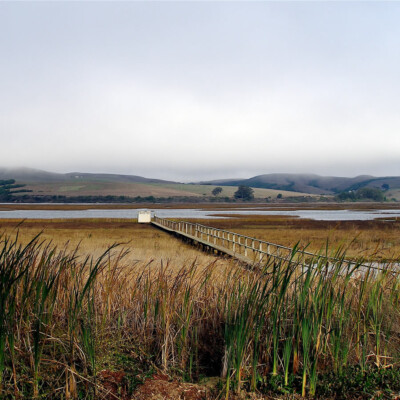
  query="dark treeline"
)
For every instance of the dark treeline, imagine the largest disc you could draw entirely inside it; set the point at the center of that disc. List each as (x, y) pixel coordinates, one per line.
(8, 189)
(365, 193)
(30, 198)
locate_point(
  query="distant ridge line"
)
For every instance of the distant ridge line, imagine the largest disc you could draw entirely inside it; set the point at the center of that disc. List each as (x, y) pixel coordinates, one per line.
(308, 184)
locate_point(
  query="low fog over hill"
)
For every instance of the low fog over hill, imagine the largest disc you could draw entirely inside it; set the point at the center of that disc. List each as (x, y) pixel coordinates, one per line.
(311, 183)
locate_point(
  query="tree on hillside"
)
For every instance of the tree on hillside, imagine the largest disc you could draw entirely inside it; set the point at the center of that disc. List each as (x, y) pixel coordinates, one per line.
(370, 194)
(7, 189)
(216, 191)
(244, 193)
(365, 193)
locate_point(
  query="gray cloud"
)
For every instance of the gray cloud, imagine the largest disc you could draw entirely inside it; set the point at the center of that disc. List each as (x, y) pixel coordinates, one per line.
(201, 90)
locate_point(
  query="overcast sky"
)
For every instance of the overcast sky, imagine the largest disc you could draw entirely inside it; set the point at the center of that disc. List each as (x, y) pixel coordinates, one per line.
(199, 90)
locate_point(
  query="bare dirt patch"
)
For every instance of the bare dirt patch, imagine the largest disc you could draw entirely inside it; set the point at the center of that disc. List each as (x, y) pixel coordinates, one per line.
(160, 387)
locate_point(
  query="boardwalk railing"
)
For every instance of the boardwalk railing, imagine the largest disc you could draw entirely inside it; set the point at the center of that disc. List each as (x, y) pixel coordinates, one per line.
(243, 247)
(249, 249)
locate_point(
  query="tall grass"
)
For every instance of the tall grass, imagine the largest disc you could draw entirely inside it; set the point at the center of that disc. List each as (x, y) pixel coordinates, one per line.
(63, 319)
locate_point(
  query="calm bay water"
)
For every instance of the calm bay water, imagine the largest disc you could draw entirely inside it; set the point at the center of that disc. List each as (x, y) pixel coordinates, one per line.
(322, 215)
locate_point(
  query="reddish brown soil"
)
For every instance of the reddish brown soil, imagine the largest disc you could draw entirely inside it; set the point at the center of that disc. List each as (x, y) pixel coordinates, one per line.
(159, 387)
(114, 384)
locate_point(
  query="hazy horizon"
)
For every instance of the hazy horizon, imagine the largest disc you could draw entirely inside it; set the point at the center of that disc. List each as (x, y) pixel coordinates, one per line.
(183, 180)
(191, 91)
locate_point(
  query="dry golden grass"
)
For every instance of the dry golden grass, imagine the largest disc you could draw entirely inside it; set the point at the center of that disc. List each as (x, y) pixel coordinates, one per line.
(90, 323)
(377, 238)
(92, 188)
(186, 313)
(133, 189)
(144, 242)
(393, 194)
(361, 238)
(206, 190)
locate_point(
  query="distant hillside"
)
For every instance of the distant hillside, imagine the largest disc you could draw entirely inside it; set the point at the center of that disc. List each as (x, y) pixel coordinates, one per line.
(44, 183)
(310, 183)
(26, 175)
(30, 175)
(74, 184)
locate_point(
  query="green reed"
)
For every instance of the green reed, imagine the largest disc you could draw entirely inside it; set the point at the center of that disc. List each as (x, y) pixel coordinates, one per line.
(63, 317)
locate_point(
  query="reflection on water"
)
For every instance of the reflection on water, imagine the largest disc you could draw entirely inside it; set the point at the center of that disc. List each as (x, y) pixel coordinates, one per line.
(321, 215)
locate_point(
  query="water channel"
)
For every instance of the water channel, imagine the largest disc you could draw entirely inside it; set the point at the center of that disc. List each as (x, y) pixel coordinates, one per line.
(321, 215)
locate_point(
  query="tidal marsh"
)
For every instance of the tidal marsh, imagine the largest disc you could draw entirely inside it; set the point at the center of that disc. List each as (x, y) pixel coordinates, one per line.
(66, 317)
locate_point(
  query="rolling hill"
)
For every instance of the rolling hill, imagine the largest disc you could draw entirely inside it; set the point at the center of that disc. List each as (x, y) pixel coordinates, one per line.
(44, 183)
(268, 185)
(310, 183)
(30, 175)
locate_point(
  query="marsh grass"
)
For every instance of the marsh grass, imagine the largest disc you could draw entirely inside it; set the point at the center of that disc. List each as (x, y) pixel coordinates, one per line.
(372, 240)
(66, 316)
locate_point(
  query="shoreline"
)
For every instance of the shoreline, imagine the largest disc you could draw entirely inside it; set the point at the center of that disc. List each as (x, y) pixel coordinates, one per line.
(203, 206)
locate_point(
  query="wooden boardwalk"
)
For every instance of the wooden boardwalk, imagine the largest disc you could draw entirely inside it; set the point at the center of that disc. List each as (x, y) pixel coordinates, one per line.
(246, 249)
(250, 250)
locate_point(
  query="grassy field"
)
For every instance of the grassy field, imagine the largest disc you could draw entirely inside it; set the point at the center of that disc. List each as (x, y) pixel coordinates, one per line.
(90, 188)
(393, 194)
(205, 190)
(375, 239)
(76, 327)
(144, 242)
(100, 188)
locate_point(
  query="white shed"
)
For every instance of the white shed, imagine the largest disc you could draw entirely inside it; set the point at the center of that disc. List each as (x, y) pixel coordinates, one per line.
(144, 216)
